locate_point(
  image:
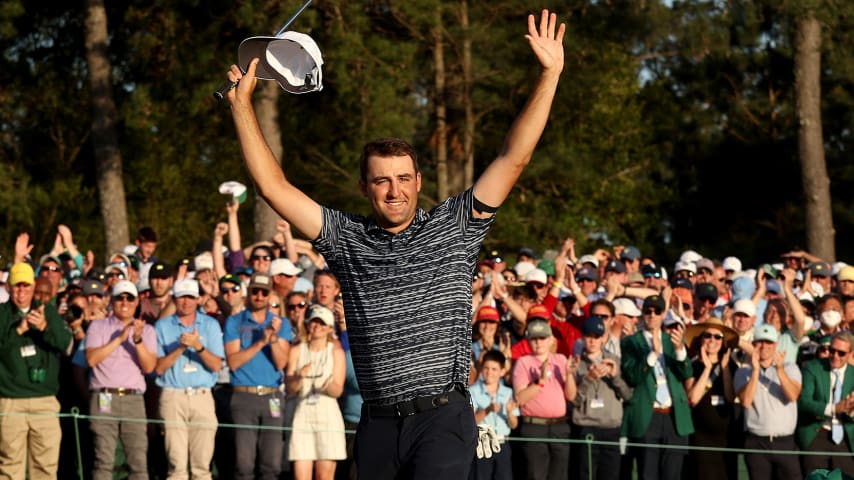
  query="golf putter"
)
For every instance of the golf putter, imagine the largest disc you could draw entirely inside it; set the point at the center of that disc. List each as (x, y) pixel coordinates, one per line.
(220, 92)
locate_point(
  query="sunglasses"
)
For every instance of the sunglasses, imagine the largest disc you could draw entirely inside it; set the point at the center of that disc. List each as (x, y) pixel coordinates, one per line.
(294, 306)
(684, 273)
(124, 298)
(256, 291)
(652, 310)
(115, 275)
(837, 352)
(604, 317)
(233, 289)
(537, 285)
(51, 268)
(266, 258)
(716, 336)
(824, 349)
(652, 275)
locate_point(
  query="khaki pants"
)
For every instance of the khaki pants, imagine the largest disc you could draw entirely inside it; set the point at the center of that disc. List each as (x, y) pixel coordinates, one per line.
(185, 442)
(34, 438)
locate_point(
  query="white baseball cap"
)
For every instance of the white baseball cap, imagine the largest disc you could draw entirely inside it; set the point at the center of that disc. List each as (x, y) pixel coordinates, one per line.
(124, 286)
(292, 59)
(731, 264)
(185, 287)
(283, 266)
(745, 306)
(626, 306)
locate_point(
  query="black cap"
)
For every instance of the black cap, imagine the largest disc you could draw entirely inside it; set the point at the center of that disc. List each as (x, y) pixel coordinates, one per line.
(160, 270)
(654, 301)
(706, 291)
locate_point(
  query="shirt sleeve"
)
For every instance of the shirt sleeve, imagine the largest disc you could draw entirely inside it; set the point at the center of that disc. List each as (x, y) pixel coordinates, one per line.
(95, 334)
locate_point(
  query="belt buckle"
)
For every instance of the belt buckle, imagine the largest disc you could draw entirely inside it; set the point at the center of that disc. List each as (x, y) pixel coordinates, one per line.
(440, 400)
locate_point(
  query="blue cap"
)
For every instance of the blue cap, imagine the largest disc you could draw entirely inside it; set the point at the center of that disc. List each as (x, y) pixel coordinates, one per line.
(773, 286)
(742, 287)
(615, 266)
(585, 273)
(630, 253)
(593, 326)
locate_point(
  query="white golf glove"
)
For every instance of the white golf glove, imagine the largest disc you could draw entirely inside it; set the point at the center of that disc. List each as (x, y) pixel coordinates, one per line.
(487, 441)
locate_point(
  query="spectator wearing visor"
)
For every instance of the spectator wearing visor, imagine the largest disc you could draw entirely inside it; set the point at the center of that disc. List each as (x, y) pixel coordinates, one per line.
(543, 382)
(486, 335)
(189, 355)
(33, 338)
(121, 350)
(598, 405)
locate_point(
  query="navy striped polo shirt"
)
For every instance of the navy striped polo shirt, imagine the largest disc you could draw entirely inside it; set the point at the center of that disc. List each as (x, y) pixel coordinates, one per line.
(407, 297)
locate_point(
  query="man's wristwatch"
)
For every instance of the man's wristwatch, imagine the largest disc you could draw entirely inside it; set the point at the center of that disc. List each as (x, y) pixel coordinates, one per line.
(200, 349)
(137, 341)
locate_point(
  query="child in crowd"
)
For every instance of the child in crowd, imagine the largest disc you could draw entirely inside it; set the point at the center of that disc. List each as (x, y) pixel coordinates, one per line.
(494, 406)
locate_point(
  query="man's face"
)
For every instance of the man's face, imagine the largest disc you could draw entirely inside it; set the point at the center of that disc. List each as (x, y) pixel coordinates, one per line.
(541, 346)
(43, 291)
(160, 287)
(284, 282)
(652, 317)
(824, 281)
(742, 323)
(258, 299)
(232, 293)
(113, 277)
(587, 286)
(260, 260)
(22, 295)
(52, 271)
(840, 352)
(186, 305)
(391, 185)
(124, 306)
(604, 312)
(766, 351)
(295, 309)
(145, 250)
(846, 288)
(325, 290)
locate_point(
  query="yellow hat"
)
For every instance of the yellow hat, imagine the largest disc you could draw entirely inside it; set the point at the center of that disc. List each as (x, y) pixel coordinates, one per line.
(22, 273)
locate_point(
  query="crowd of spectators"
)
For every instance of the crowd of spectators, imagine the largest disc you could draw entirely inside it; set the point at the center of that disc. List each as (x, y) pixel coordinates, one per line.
(238, 357)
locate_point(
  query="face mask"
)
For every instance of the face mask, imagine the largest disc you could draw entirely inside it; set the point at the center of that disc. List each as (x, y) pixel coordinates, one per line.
(830, 318)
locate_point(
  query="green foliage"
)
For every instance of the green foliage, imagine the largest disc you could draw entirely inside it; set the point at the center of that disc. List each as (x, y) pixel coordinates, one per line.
(673, 126)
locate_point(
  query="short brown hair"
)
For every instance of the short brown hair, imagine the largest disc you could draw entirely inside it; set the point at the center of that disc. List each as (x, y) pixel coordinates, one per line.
(385, 147)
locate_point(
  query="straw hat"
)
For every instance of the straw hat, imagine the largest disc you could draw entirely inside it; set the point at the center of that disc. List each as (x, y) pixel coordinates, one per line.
(693, 332)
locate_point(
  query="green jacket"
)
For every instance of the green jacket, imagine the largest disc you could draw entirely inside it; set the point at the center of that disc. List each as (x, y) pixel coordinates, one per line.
(815, 395)
(16, 369)
(637, 411)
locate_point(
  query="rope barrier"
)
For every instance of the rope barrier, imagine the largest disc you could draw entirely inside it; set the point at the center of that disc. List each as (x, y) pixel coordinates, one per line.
(588, 441)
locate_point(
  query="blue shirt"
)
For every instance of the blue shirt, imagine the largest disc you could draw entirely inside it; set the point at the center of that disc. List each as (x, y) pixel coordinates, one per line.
(481, 399)
(188, 370)
(260, 369)
(351, 400)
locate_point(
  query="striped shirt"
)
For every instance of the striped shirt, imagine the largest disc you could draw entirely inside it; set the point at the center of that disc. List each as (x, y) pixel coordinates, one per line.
(407, 297)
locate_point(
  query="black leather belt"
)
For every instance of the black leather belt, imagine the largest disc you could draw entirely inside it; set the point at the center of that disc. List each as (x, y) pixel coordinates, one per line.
(543, 421)
(417, 405)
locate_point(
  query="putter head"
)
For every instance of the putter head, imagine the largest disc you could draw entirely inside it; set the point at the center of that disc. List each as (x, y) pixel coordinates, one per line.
(292, 59)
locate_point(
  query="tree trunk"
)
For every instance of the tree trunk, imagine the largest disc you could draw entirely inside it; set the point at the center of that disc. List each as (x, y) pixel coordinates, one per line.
(267, 108)
(819, 217)
(108, 157)
(468, 129)
(441, 135)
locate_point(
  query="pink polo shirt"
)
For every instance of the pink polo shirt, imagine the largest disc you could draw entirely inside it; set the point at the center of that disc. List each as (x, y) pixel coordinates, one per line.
(121, 368)
(550, 402)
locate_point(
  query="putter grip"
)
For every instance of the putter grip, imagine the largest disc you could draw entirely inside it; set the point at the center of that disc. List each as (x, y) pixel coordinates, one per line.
(220, 92)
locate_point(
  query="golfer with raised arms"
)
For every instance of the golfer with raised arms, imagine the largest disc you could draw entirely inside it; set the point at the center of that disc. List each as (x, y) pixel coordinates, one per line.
(407, 276)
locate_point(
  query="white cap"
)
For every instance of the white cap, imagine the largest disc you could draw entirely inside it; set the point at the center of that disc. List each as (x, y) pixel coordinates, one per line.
(129, 249)
(537, 275)
(745, 306)
(283, 266)
(690, 256)
(683, 265)
(522, 268)
(626, 306)
(731, 264)
(125, 286)
(185, 288)
(203, 262)
(837, 266)
(292, 59)
(321, 313)
(589, 259)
